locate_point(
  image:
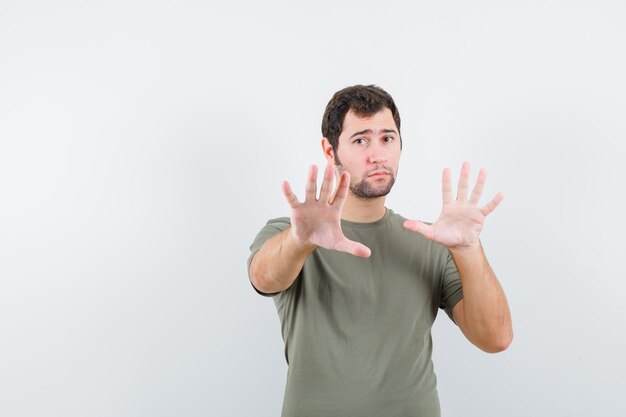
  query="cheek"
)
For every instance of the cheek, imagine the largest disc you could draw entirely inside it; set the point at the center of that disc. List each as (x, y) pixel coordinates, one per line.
(350, 162)
(395, 163)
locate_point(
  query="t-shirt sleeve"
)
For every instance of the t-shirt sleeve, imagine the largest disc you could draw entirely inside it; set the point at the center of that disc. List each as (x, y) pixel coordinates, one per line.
(451, 290)
(271, 228)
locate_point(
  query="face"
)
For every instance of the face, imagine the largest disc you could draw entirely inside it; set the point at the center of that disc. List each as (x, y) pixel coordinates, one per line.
(369, 149)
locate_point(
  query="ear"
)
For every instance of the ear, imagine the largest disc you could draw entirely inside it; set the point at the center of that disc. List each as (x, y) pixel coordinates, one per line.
(328, 151)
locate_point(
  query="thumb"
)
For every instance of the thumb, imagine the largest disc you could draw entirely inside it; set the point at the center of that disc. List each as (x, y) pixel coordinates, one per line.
(353, 248)
(417, 226)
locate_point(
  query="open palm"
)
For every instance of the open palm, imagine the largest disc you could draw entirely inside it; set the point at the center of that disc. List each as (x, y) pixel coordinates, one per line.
(317, 221)
(461, 220)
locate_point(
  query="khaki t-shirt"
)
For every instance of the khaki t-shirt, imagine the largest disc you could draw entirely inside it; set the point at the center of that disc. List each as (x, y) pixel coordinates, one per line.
(357, 331)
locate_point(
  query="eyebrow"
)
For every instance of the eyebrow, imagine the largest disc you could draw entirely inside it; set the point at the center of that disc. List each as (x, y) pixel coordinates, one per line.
(369, 131)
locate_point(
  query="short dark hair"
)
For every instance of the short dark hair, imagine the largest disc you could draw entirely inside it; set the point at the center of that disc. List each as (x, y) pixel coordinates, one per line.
(363, 100)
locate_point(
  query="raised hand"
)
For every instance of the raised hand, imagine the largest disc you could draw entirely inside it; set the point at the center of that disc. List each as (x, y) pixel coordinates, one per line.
(317, 221)
(461, 220)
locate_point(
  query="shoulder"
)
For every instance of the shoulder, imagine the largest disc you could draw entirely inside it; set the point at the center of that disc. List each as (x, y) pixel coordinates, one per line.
(395, 217)
(271, 228)
(396, 221)
(281, 223)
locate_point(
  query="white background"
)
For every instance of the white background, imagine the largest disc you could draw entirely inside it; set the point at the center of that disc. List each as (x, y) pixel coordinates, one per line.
(143, 144)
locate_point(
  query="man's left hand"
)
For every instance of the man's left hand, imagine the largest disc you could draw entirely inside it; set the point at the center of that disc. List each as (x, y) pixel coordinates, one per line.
(461, 220)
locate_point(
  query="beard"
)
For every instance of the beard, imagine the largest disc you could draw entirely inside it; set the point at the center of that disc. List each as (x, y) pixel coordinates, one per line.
(365, 190)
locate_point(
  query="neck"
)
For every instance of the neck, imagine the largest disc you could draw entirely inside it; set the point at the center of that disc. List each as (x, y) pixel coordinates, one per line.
(360, 210)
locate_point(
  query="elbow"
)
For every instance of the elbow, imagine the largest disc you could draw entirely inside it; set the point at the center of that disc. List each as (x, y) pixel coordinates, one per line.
(498, 344)
(262, 282)
(262, 286)
(256, 279)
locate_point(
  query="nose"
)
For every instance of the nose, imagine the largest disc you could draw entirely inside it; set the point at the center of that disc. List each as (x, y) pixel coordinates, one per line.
(377, 156)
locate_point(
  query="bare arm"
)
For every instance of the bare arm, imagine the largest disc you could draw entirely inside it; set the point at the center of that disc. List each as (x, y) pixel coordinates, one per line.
(483, 314)
(279, 261)
(316, 222)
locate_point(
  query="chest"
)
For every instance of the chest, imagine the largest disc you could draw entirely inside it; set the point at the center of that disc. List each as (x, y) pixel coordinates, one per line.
(395, 284)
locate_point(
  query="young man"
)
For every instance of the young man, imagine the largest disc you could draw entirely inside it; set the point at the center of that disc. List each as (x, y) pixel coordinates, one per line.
(357, 286)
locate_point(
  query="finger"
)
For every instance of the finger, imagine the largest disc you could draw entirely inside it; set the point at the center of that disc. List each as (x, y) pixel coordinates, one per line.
(289, 195)
(353, 248)
(491, 206)
(446, 186)
(327, 183)
(342, 189)
(417, 226)
(463, 181)
(311, 184)
(478, 188)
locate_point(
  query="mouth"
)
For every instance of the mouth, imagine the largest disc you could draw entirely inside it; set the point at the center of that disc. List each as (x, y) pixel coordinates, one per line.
(378, 174)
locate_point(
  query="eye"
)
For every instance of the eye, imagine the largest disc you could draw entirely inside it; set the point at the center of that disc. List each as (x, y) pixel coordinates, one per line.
(359, 141)
(388, 139)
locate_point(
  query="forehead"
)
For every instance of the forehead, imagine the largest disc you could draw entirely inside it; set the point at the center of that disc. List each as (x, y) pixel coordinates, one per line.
(381, 120)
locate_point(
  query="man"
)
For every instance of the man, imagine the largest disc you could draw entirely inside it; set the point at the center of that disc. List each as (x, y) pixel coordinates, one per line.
(357, 289)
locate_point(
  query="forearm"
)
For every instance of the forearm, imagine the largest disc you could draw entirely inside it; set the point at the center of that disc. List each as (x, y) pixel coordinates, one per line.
(486, 318)
(279, 261)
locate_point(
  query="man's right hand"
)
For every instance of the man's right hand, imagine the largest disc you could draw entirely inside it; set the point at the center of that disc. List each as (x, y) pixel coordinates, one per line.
(317, 221)
(314, 223)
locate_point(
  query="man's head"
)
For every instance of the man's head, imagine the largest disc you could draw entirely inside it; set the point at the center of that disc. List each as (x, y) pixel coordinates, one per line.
(361, 128)
(363, 100)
